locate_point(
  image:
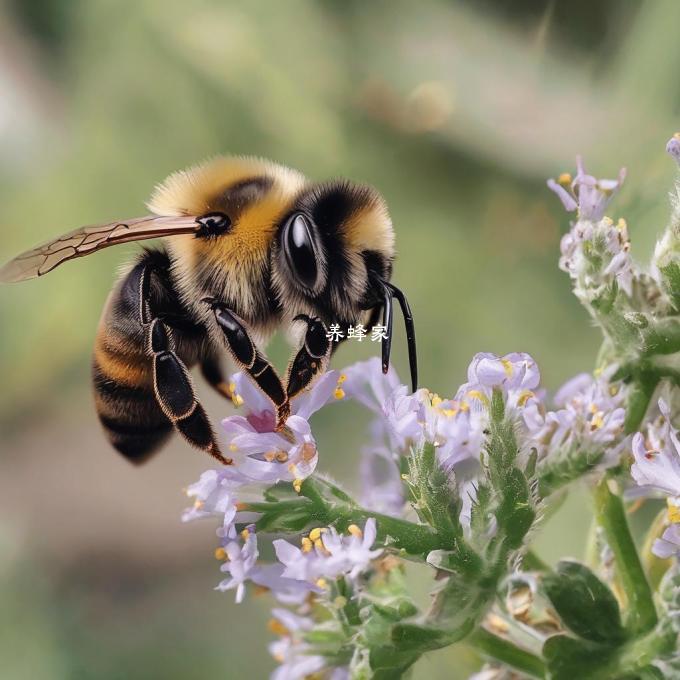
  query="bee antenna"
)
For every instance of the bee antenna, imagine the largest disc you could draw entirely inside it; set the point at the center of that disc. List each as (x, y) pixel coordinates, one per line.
(410, 331)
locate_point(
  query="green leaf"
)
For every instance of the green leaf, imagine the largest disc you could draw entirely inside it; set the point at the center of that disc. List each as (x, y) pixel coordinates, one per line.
(570, 659)
(584, 603)
(671, 281)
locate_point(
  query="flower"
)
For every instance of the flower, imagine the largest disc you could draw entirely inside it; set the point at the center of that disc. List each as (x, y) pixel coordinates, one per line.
(595, 252)
(296, 657)
(669, 543)
(382, 489)
(673, 146)
(265, 455)
(586, 194)
(590, 419)
(241, 560)
(326, 554)
(657, 457)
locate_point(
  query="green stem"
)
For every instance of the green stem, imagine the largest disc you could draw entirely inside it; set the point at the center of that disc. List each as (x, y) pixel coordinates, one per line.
(611, 516)
(639, 395)
(506, 652)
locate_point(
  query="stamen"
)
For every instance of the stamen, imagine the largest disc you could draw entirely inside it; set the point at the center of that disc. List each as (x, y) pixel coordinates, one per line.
(355, 531)
(673, 511)
(315, 534)
(507, 367)
(476, 394)
(342, 378)
(308, 451)
(281, 456)
(269, 456)
(245, 534)
(307, 544)
(233, 447)
(221, 554)
(564, 179)
(524, 397)
(297, 485)
(198, 504)
(339, 393)
(322, 583)
(275, 626)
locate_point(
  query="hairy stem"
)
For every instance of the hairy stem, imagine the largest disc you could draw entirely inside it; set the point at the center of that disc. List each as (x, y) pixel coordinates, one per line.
(611, 516)
(506, 652)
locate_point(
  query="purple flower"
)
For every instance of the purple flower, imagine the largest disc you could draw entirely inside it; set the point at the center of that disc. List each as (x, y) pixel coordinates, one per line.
(382, 489)
(588, 195)
(673, 146)
(241, 560)
(657, 458)
(669, 543)
(264, 455)
(296, 657)
(590, 419)
(326, 554)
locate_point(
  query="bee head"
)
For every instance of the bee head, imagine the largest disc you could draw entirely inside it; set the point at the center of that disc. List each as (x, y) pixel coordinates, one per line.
(332, 246)
(333, 257)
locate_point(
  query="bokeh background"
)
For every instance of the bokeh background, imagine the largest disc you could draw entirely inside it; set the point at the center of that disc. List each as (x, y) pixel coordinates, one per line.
(456, 111)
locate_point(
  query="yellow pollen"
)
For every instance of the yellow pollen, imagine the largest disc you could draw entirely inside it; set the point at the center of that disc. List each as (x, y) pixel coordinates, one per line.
(315, 534)
(342, 378)
(291, 468)
(564, 178)
(621, 225)
(597, 372)
(245, 534)
(464, 406)
(507, 366)
(436, 400)
(297, 485)
(673, 512)
(355, 531)
(260, 590)
(308, 451)
(676, 135)
(269, 456)
(233, 447)
(279, 658)
(198, 504)
(524, 397)
(596, 423)
(613, 390)
(307, 545)
(220, 554)
(240, 506)
(232, 387)
(476, 394)
(275, 626)
(448, 412)
(281, 456)
(237, 400)
(339, 393)
(593, 409)
(404, 477)
(322, 583)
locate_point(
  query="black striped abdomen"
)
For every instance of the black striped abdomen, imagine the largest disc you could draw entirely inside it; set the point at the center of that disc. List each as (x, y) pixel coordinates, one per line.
(122, 374)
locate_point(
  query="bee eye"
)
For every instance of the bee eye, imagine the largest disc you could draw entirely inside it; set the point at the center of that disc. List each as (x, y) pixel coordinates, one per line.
(298, 246)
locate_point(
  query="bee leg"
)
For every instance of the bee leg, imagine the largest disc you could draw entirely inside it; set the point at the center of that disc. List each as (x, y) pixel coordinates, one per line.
(175, 393)
(312, 358)
(248, 357)
(212, 372)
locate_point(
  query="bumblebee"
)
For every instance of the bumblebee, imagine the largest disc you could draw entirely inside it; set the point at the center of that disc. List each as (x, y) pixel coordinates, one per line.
(249, 246)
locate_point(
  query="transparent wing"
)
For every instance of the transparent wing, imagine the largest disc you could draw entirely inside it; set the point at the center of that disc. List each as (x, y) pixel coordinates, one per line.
(86, 240)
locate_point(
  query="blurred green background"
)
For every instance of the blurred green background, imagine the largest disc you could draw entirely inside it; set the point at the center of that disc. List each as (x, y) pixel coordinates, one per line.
(456, 111)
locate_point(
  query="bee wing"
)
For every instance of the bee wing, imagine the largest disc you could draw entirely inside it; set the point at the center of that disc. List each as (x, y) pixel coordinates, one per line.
(90, 239)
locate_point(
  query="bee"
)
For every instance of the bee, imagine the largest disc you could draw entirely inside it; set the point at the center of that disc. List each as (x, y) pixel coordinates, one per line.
(249, 246)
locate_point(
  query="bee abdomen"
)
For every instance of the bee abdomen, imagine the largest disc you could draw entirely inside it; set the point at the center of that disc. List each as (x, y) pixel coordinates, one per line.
(130, 415)
(122, 375)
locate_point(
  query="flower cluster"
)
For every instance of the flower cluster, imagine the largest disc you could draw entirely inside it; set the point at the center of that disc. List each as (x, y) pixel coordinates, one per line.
(456, 484)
